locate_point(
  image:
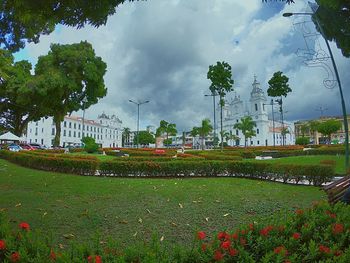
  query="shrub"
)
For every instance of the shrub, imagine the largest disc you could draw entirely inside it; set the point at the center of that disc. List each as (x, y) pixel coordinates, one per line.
(302, 141)
(90, 146)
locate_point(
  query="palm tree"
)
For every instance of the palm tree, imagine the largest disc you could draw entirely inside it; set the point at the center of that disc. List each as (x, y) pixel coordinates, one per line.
(125, 135)
(247, 127)
(229, 136)
(202, 131)
(169, 129)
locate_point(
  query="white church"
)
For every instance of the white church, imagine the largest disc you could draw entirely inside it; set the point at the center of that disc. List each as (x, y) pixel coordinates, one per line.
(268, 124)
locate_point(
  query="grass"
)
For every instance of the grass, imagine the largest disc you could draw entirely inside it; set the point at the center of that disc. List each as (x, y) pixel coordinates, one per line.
(314, 159)
(134, 209)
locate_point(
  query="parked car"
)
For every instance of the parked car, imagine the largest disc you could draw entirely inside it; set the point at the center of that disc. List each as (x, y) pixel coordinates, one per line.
(27, 147)
(14, 148)
(38, 146)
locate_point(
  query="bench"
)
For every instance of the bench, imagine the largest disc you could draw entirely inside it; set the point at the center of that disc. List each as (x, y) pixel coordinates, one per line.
(336, 190)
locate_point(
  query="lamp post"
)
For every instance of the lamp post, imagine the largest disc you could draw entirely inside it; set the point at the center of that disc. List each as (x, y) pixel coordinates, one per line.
(273, 119)
(138, 117)
(346, 127)
(213, 95)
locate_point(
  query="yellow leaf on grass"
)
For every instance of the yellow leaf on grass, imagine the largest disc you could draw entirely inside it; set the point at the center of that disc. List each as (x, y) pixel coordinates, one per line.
(60, 246)
(162, 238)
(207, 219)
(123, 222)
(148, 211)
(140, 220)
(45, 214)
(180, 205)
(226, 214)
(68, 236)
(173, 224)
(135, 234)
(17, 205)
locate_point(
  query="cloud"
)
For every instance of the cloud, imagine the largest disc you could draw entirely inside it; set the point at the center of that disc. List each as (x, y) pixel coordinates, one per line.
(161, 50)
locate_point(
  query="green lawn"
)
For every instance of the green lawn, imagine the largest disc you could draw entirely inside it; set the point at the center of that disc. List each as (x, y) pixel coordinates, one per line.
(314, 159)
(133, 209)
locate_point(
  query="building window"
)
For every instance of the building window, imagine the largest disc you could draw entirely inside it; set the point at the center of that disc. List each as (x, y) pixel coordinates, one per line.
(65, 124)
(36, 124)
(258, 142)
(42, 130)
(70, 125)
(263, 106)
(74, 134)
(94, 129)
(30, 130)
(79, 127)
(36, 131)
(236, 120)
(36, 140)
(257, 131)
(69, 133)
(64, 132)
(42, 141)
(53, 131)
(256, 107)
(237, 132)
(75, 125)
(251, 142)
(78, 134)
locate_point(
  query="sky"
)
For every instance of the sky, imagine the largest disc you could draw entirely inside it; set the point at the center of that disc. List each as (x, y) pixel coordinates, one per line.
(160, 50)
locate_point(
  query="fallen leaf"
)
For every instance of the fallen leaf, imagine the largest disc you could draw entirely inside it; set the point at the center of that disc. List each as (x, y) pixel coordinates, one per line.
(60, 246)
(168, 200)
(3, 209)
(68, 236)
(173, 224)
(207, 219)
(45, 214)
(162, 238)
(195, 202)
(154, 188)
(175, 183)
(103, 242)
(17, 205)
(135, 234)
(140, 220)
(148, 211)
(123, 222)
(226, 214)
(180, 205)
(218, 201)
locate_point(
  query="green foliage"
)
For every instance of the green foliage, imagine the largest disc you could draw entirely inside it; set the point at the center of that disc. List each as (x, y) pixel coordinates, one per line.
(71, 77)
(90, 146)
(246, 125)
(24, 21)
(278, 85)
(144, 138)
(20, 102)
(125, 135)
(220, 76)
(167, 142)
(328, 127)
(302, 141)
(167, 129)
(203, 130)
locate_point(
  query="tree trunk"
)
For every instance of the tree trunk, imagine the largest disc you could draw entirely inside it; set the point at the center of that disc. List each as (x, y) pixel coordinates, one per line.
(202, 142)
(57, 120)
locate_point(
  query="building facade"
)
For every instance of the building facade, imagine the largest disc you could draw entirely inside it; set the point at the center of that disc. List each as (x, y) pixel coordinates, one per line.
(302, 128)
(106, 130)
(269, 126)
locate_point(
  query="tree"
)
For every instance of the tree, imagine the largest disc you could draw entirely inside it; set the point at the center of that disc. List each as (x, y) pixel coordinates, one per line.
(304, 128)
(167, 129)
(90, 146)
(144, 138)
(229, 136)
(24, 21)
(246, 125)
(125, 135)
(221, 83)
(203, 130)
(302, 141)
(71, 78)
(20, 100)
(313, 125)
(328, 127)
(278, 87)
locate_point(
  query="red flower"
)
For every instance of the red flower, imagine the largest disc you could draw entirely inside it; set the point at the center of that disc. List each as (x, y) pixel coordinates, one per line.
(324, 249)
(235, 236)
(218, 255)
(223, 236)
(15, 257)
(24, 226)
(296, 236)
(243, 241)
(201, 235)
(243, 232)
(94, 259)
(226, 244)
(338, 228)
(338, 253)
(299, 212)
(331, 214)
(204, 247)
(2, 244)
(251, 227)
(233, 252)
(265, 231)
(52, 255)
(280, 250)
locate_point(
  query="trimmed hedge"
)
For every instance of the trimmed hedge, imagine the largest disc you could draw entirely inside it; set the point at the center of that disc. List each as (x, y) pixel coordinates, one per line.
(294, 173)
(53, 164)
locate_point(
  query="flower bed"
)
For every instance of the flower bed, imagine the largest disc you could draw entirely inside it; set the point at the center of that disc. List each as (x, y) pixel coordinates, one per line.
(317, 234)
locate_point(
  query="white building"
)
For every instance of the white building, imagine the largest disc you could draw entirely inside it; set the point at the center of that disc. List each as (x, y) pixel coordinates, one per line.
(258, 107)
(106, 131)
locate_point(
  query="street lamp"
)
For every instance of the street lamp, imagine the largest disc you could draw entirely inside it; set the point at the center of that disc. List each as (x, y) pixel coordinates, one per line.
(213, 95)
(346, 127)
(273, 119)
(138, 117)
